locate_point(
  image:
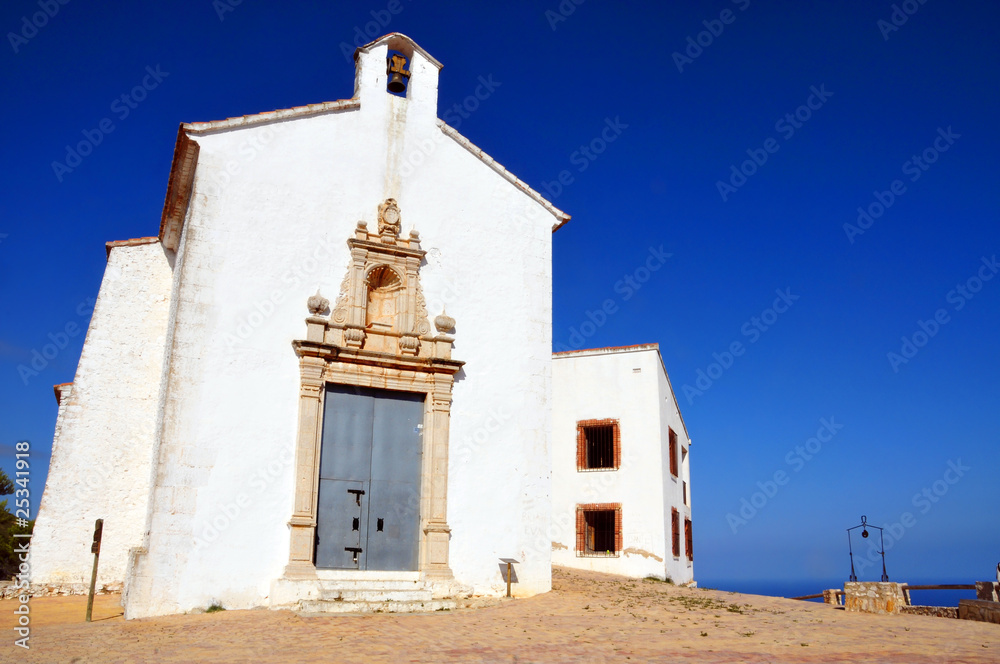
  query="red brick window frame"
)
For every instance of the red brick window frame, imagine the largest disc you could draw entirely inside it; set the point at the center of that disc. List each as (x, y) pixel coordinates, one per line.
(688, 539)
(599, 530)
(598, 445)
(675, 528)
(673, 451)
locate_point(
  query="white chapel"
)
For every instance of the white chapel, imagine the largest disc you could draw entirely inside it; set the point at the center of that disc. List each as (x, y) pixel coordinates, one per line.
(329, 372)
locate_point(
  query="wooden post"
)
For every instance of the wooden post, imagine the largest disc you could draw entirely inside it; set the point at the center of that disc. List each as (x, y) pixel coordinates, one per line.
(95, 548)
(509, 562)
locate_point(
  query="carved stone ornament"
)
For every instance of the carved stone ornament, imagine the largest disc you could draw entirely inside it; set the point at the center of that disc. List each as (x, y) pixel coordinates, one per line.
(317, 304)
(388, 218)
(444, 323)
(381, 306)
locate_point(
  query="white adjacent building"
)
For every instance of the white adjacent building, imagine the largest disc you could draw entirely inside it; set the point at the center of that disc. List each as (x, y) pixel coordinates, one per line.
(621, 468)
(327, 377)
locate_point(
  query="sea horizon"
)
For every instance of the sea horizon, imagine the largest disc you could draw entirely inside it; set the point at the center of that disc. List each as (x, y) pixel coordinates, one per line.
(801, 587)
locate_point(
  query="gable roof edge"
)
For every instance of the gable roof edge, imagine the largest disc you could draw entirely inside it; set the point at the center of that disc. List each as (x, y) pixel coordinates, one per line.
(394, 36)
(179, 186)
(562, 217)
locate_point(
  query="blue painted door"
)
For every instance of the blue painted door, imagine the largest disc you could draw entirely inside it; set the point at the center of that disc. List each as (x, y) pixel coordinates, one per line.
(369, 487)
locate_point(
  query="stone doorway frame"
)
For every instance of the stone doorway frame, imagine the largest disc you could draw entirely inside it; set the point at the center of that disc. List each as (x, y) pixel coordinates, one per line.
(340, 349)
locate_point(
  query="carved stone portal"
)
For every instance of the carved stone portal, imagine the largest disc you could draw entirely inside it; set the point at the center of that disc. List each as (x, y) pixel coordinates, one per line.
(378, 335)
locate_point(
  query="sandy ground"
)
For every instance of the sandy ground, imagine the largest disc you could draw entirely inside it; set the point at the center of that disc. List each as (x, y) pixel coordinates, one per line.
(588, 617)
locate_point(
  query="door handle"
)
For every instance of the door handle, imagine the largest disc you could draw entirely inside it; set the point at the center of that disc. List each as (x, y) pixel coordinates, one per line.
(357, 495)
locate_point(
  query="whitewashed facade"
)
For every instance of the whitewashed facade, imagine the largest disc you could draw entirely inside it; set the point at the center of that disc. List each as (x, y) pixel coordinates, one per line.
(618, 500)
(203, 379)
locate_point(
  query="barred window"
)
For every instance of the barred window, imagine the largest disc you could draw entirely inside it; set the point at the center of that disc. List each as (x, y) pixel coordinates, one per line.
(599, 529)
(675, 527)
(688, 539)
(673, 452)
(598, 445)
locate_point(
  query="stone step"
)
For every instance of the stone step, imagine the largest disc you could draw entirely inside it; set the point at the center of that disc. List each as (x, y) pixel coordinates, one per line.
(375, 595)
(320, 606)
(370, 584)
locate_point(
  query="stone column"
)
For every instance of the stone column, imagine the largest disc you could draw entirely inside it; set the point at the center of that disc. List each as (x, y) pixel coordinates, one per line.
(436, 530)
(303, 522)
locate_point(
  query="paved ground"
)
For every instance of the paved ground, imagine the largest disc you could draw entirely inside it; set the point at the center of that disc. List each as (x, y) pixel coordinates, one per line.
(587, 618)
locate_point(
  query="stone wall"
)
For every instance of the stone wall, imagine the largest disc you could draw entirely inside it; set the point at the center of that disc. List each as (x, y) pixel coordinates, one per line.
(981, 610)
(873, 597)
(102, 448)
(934, 611)
(10, 590)
(833, 596)
(987, 590)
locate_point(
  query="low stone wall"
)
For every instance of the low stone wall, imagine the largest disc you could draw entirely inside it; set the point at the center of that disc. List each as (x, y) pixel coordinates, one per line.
(935, 611)
(981, 610)
(988, 591)
(833, 596)
(873, 597)
(9, 590)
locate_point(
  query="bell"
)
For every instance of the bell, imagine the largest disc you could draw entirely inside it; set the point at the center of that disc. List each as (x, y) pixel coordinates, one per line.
(396, 83)
(864, 533)
(395, 65)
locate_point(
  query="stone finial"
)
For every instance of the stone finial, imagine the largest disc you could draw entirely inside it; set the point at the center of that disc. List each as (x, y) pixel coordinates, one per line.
(317, 304)
(388, 218)
(444, 323)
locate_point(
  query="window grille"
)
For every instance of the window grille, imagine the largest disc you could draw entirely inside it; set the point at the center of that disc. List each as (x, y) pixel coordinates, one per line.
(673, 452)
(599, 530)
(598, 445)
(688, 539)
(675, 523)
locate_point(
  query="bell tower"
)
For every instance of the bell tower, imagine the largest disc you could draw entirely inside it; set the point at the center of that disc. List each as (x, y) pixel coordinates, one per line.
(396, 66)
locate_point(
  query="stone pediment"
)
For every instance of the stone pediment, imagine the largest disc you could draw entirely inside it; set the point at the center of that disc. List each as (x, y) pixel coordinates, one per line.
(380, 309)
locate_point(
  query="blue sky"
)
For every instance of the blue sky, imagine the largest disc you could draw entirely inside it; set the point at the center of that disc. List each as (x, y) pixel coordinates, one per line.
(742, 152)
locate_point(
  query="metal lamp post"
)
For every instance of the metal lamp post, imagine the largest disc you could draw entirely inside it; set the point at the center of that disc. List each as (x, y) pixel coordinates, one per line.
(864, 525)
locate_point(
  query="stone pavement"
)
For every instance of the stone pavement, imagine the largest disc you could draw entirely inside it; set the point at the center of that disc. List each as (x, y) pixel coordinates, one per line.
(588, 617)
